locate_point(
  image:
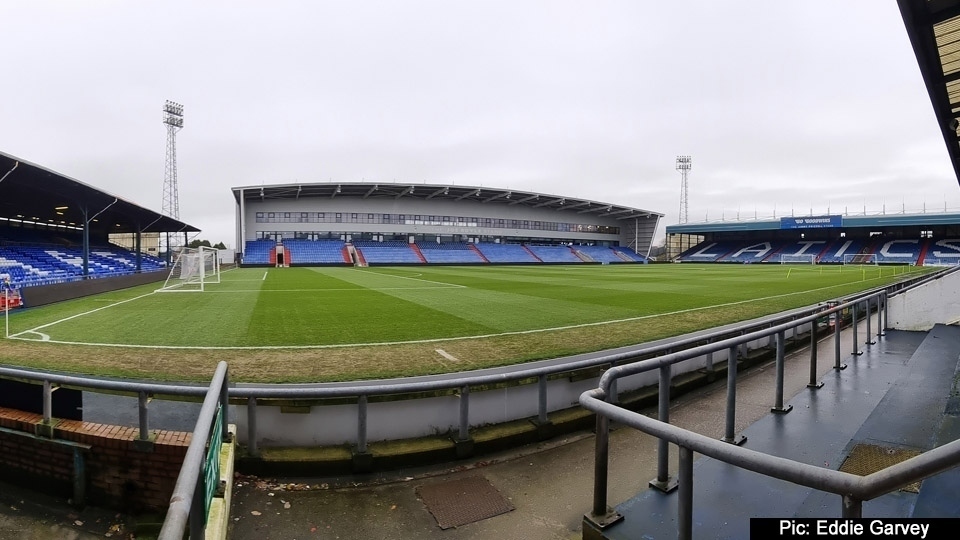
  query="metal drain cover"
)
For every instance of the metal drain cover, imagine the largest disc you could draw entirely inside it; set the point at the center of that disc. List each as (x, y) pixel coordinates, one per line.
(463, 501)
(867, 459)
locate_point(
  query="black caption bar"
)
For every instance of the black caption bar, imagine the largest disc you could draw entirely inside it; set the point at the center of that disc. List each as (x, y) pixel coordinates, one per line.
(864, 528)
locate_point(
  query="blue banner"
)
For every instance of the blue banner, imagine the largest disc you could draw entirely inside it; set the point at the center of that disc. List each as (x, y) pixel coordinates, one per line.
(811, 222)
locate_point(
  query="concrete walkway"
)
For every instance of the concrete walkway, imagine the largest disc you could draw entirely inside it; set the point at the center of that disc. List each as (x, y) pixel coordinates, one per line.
(550, 484)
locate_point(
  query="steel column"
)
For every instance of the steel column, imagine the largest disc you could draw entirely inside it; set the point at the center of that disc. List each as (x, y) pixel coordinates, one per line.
(852, 508)
(252, 427)
(856, 346)
(542, 399)
(362, 425)
(731, 412)
(198, 511)
(47, 402)
(600, 464)
(814, 345)
(663, 414)
(464, 413)
(143, 400)
(836, 340)
(685, 495)
(778, 393)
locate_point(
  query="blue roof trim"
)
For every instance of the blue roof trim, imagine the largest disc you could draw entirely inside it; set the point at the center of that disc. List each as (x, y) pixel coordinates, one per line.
(849, 222)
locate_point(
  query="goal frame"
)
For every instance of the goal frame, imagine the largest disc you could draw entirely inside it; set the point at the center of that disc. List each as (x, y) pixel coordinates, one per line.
(806, 258)
(861, 259)
(202, 266)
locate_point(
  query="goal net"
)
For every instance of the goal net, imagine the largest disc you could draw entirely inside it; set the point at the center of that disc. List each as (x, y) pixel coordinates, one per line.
(860, 258)
(809, 258)
(192, 269)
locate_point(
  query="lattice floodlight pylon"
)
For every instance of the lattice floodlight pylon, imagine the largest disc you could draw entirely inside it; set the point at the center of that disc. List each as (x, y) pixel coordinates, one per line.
(193, 269)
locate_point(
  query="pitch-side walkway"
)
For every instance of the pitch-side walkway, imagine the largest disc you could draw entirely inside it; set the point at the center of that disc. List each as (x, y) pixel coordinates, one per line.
(550, 485)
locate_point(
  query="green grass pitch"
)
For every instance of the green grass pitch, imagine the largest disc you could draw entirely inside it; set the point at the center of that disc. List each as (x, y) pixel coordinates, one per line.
(332, 308)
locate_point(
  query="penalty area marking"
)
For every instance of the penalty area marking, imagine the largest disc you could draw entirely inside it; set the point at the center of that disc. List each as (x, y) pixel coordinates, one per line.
(442, 353)
(34, 330)
(453, 285)
(394, 343)
(264, 277)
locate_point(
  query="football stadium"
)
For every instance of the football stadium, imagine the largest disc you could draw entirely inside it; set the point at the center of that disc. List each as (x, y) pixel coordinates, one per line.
(369, 334)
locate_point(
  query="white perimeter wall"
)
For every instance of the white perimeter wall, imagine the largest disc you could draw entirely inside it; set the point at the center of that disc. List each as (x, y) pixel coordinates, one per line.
(937, 302)
(337, 424)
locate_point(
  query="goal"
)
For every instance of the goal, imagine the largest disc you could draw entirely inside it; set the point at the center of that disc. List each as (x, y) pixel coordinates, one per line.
(808, 258)
(192, 270)
(861, 258)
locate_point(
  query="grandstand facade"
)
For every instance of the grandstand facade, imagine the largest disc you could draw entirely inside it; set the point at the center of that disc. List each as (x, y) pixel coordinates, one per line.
(365, 223)
(912, 239)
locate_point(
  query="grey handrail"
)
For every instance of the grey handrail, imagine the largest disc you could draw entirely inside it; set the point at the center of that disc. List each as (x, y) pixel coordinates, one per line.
(183, 500)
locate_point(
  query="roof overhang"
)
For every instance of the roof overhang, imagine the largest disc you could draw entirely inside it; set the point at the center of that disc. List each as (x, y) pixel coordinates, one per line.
(35, 194)
(450, 192)
(934, 30)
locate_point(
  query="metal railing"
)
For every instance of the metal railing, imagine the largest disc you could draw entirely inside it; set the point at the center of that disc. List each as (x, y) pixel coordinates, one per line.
(200, 473)
(853, 489)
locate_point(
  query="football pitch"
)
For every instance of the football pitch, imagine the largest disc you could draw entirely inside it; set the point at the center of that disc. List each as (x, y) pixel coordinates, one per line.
(333, 323)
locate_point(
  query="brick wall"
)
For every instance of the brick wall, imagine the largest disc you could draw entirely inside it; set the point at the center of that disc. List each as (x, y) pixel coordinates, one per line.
(119, 474)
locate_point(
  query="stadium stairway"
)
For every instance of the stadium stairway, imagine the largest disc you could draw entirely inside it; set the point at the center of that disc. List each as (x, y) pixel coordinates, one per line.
(479, 253)
(532, 254)
(901, 394)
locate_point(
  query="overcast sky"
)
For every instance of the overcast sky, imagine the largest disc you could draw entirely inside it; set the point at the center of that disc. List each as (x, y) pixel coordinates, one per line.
(803, 105)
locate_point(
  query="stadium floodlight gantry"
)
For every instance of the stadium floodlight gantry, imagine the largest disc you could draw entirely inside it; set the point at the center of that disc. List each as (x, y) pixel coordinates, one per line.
(428, 214)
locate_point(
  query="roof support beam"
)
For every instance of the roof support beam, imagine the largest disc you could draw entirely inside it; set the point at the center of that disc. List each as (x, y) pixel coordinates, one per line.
(468, 194)
(406, 191)
(607, 208)
(335, 191)
(370, 191)
(497, 196)
(444, 191)
(578, 205)
(560, 200)
(525, 199)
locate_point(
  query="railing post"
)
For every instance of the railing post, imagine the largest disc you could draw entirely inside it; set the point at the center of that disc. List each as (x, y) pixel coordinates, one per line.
(852, 508)
(856, 346)
(198, 511)
(663, 482)
(47, 402)
(731, 413)
(886, 319)
(542, 399)
(709, 366)
(143, 401)
(778, 401)
(252, 427)
(870, 340)
(685, 495)
(814, 345)
(837, 318)
(362, 424)
(601, 516)
(464, 413)
(225, 407)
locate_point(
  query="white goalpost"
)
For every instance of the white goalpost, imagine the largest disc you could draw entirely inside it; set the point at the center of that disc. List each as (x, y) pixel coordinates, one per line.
(192, 269)
(808, 258)
(861, 258)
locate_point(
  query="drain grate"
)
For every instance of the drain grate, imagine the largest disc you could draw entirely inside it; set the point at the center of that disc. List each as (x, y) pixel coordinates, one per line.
(867, 459)
(463, 501)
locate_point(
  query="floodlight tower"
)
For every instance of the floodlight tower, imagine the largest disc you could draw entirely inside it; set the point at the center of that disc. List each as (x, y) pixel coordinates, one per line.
(684, 164)
(173, 119)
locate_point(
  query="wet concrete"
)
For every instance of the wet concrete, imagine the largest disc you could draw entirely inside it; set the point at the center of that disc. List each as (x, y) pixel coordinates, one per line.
(550, 484)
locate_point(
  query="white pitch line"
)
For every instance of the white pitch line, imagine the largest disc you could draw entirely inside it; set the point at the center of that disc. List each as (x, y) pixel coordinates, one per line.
(34, 330)
(358, 289)
(416, 279)
(419, 341)
(447, 355)
(264, 277)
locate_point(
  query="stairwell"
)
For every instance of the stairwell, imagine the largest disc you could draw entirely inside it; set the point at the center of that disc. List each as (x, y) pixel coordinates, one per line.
(479, 253)
(416, 249)
(532, 254)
